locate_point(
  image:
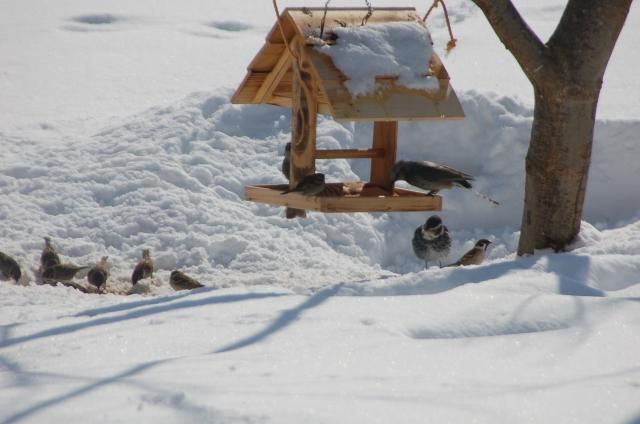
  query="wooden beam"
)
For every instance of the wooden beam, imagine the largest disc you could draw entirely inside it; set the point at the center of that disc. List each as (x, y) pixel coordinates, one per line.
(274, 78)
(349, 153)
(385, 137)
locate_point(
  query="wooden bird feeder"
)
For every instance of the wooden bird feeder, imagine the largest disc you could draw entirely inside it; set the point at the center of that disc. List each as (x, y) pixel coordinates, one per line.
(294, 73)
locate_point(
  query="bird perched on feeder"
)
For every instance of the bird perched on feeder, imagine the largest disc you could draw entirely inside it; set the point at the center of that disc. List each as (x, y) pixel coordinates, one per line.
(429, 175)
(286, 162)
(309, 185)
(144, 268)
(475, 256)
(61, 272)
(49, 256)
(98, 275)
(433, 177)
(181, 281)
(431, 241)
(9, 267)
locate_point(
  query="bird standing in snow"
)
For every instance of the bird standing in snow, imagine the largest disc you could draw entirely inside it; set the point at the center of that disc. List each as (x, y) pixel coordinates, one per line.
(286, 162)
(309, 185)
(144, 268)
(475, 256)
(61, 272)
(49, 256)
(431, 241)
(9, 267)
(181, 281)
(98, 275)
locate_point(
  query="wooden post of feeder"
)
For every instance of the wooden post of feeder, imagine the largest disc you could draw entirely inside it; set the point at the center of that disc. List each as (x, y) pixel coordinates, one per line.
(385, 136)
(304, 110)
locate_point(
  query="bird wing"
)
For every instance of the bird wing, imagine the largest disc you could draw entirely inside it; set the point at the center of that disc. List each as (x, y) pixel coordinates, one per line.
(444, 171)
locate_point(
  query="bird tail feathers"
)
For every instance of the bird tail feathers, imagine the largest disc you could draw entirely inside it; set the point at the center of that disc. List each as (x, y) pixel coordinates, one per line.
(487, 198)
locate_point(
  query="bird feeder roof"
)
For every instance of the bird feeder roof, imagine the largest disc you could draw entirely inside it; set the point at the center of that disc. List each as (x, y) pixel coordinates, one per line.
(270, 74)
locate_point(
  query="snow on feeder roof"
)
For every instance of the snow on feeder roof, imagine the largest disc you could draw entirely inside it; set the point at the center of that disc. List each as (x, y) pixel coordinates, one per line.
(383, 70)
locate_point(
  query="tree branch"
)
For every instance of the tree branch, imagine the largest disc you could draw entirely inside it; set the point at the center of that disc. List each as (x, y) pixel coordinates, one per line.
(516, 35)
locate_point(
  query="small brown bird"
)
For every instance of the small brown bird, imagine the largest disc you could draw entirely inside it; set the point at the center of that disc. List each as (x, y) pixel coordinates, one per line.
(144, 268)
(61, 272)
(309, 185)
(9, 267)
(181, 281)
(475, 256)
(98, 275)
(49, 256)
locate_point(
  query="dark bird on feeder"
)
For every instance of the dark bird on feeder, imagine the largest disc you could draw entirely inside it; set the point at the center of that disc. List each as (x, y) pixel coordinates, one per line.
(286, 162)
(181, 281)
(61, 272)
(9, 267)
(429, 175)
(475, 256)
(49, 256)
(98, 275)
(431, 241)
(144, 268)
(309, 185)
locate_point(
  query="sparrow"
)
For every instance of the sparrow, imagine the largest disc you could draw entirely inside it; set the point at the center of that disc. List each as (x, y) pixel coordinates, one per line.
(144, 268)
(475, 256)
(61, 272)
(286, 162)
(98, 275)
(181, 281)
(49, 256)
(429, 176)
(9, 267)
(431, 241)
(309, 185)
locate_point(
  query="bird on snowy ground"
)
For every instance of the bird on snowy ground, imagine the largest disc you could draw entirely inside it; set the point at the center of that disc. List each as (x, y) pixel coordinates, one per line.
(49, 256)
(431, 241)
(9, 267)
(309, 185)
(286, 162)
(181, 281)
(144, 268)
(475, 256)
(98, 275)
(433, 177)
(61, 272)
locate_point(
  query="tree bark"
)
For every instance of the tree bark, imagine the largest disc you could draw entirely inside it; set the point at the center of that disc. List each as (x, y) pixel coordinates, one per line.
(566, 74)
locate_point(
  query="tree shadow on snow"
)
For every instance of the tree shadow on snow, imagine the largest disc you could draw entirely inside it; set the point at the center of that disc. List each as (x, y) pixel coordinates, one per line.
(138, 313)
(285, 319)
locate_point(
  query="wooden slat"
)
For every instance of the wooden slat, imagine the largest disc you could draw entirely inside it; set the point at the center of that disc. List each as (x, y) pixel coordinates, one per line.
(370, 199)
(349, 153)
(273, 79)
(385, 137)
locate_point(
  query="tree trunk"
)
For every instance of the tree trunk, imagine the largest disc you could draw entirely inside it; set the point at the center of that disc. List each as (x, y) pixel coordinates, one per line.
(566, 74)
(557, 166)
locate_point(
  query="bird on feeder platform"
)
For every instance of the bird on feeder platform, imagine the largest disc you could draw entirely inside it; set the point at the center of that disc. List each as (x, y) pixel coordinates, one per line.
(433, 177)
(286, 162)
(431, 241)
(475, 256)
(49, 256)
(98, 275)
(181, 281)
(429, 175)
(9, 267)
(144, 268)
(309, 185)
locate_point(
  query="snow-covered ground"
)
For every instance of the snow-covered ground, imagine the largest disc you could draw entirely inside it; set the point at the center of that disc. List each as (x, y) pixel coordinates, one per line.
(117, 134)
